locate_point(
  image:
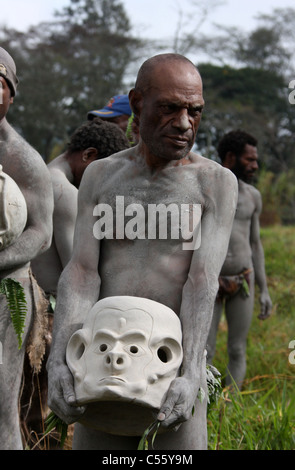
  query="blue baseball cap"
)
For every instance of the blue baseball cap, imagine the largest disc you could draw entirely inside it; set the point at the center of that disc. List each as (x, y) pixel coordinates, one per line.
(117, 105)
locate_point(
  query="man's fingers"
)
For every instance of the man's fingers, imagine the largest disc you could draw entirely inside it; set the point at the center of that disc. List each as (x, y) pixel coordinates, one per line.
(265, 312)
(68, 390)
(161, 416)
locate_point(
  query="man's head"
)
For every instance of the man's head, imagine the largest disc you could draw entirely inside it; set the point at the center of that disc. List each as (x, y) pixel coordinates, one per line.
(238, 152)
(8, 81)
(168, 101)
(8, 70)
(117, 111)
(93, 140)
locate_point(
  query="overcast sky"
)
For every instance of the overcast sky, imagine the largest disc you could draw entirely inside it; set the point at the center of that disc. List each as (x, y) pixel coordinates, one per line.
(150, 18)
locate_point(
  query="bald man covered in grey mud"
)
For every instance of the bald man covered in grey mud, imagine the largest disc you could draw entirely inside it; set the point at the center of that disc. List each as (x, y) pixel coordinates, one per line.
(168, 101)
(26, 167)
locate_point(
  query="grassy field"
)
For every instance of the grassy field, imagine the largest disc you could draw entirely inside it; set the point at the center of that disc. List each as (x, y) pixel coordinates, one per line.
(262, 415)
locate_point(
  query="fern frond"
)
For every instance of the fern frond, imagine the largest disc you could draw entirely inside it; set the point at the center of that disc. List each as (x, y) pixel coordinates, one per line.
(16, 300)
(54, 422)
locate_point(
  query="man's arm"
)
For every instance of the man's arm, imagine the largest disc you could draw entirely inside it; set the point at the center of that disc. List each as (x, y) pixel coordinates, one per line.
(31, 175)
(78, 290)
(199, 293)
(64, 215)
(258, 259)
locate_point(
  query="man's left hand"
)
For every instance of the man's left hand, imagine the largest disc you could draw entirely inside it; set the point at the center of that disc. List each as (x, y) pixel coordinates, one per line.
(179, 403)
(265, 306)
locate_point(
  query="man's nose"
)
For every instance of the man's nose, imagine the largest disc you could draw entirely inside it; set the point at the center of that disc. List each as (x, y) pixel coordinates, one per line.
(182, 121)
(255, 165)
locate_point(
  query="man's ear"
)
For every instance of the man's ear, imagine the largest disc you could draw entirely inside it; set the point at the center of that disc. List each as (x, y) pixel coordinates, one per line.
(229, 160)
(135, 100)
(89, 155)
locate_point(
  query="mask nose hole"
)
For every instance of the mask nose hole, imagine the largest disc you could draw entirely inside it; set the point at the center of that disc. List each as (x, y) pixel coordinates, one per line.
(114, 360)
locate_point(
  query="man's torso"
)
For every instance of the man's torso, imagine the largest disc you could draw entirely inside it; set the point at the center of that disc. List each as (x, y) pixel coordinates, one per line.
(147, 267)
(239, 255)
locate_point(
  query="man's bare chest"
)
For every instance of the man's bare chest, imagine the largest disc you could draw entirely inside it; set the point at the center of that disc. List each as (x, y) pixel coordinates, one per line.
(159, 207)
(245, 206)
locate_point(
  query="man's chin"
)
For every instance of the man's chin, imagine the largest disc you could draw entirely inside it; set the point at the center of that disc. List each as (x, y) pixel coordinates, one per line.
(250, 179)
(175, 154)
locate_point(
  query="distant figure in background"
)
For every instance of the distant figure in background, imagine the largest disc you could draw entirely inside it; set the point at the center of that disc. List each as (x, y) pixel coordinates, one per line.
(118, 111)
(244, 263)
(25, 166)
(94, 140)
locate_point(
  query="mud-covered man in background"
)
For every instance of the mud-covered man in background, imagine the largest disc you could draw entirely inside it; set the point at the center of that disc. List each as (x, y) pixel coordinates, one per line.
(26, 167)
(244, 264)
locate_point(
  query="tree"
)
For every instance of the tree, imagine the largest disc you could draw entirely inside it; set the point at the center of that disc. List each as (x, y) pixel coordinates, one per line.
(251, 99)
(68, 67)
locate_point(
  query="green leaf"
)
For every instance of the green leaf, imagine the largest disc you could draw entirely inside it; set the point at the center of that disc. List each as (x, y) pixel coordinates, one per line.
(17, 305)
(245, 288)
(54, 422)
(129, 129)
(143, 443)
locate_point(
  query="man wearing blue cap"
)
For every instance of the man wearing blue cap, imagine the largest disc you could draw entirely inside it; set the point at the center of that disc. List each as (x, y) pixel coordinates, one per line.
(117, 110)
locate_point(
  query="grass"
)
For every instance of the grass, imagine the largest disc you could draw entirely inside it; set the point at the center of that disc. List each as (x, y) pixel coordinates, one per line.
(262, 415)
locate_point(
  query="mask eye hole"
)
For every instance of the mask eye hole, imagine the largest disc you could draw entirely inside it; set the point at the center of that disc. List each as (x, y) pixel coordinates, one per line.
(164, 354)
(134, 350)
(103, 347)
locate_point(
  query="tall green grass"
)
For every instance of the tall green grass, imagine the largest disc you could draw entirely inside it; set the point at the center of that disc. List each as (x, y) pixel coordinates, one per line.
(262, 415)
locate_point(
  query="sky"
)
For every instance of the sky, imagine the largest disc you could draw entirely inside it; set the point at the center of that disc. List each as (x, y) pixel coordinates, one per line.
(155, 19)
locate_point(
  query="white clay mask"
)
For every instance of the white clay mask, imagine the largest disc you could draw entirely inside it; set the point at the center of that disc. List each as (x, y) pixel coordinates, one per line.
(129, 349)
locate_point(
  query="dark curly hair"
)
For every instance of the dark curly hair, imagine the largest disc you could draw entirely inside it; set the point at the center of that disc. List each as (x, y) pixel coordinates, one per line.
(235, 142)
(105, 136)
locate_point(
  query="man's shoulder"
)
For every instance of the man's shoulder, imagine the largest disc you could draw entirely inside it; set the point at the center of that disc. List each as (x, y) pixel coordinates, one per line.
(211, 169)
(19, 148)
(250, 190)
(13, 138)
(57, 170)
(21, 161)
(112, 162)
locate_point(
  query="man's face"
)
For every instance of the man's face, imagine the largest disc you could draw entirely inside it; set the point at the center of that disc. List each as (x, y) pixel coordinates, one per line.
(121, 121)
(171, 111)
(247, 165)
(5, 98)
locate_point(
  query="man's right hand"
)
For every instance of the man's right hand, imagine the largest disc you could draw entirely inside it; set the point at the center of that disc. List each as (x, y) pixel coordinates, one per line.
(61, 394)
